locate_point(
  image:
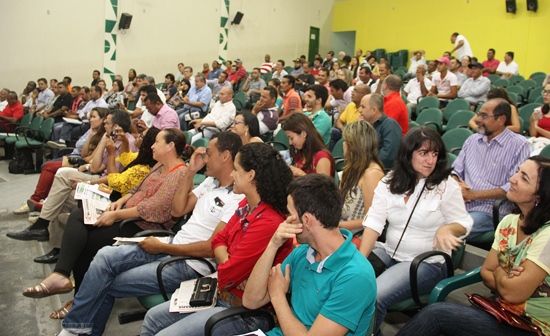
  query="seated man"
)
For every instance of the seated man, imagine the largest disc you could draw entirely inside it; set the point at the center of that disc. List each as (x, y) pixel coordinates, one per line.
(491, 64)
(417, 87)
(315, 98)
(365, 76)
(217, 84)
(387, 129)
(317, 65)
(221, 117)
(476, 87)
(279, 71)
(196, 102)
(297, 68)
(340, 96)
(163, 116)
(323, 78)
(130, 270)
(454, 66)
(304, 79)
(216, 70)
(508, 67)
(11, 113)
(326, 274)
(486, 163)
(169, 89)
(267, 65)
(266, 110)
(291, 101)
(44, 95)
(253, 86)
(61, 106)
(350, 114)
(416, 60)
(384, 72)
(445, 83)
(394, 106)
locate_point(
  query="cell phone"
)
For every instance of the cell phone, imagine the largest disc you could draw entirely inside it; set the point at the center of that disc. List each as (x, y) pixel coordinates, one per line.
(114, 134)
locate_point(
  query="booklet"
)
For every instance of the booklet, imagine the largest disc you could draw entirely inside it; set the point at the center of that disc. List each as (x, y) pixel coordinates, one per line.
(93, 209)
(90, 191)
(72, 121)
(135, 240)
(179, 303)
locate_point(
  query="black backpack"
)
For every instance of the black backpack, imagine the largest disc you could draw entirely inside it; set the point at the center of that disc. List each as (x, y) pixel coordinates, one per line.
(22, 161)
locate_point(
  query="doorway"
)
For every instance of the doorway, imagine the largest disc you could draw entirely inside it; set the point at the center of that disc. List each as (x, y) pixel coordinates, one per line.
(314, 34)
(343, 41)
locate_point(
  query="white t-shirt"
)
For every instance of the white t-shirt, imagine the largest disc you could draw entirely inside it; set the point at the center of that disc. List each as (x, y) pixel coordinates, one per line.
(215, 204)
(415, 63)
(512, 68)
(465, 50)
(342, 102)
(413, 89)
(444, 85)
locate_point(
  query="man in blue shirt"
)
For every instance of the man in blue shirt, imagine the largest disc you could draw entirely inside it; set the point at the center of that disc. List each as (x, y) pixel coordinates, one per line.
(326, 274)
(196, 102)
(216, 70)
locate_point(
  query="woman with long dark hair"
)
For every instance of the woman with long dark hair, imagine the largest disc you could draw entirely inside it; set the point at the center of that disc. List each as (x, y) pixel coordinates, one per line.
(115, 96)
(362, 172)
(175, 102)
(517, 267)
(311, 154)
(247, 126)
(424, 210)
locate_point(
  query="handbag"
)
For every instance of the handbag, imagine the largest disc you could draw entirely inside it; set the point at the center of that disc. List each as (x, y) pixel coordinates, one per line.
(492, 307)
(206, 289)
(377, 264)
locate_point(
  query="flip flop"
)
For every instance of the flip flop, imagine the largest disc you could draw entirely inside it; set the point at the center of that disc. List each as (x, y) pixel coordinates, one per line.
(41, 291)
(61, 312)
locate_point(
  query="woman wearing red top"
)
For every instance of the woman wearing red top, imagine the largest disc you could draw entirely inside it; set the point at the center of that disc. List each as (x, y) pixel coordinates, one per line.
(311, 153)
(151, 200)
(261, 174)
(539, 124)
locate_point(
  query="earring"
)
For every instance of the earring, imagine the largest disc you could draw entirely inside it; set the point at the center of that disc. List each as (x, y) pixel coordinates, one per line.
(245, 133)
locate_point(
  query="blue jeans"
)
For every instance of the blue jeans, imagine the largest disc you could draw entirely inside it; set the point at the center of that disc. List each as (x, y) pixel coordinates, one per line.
(72, 131)
(452, 319)
(119, 271)
(159, 321)
(394, 284)
(483, 222)
(56, 131)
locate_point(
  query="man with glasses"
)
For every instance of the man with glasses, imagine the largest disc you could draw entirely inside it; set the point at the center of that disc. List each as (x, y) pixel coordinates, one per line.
(350, 114)
(486, 163)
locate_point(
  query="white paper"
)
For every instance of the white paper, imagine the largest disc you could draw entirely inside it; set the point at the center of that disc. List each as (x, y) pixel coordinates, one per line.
(134, 240)
(90, 191)
(7, 134)
(258, 332)
(93, 209)
(72, 121)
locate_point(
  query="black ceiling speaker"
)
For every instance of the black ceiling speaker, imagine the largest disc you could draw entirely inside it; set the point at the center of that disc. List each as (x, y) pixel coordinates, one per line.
(511, 6)
(125, 20)
(532, 5)
(237, 19)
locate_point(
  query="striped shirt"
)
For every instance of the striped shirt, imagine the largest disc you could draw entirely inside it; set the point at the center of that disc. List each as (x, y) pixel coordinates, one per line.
(483, 165)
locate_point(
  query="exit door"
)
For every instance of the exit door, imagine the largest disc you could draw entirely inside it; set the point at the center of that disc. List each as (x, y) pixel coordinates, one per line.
(313, 43)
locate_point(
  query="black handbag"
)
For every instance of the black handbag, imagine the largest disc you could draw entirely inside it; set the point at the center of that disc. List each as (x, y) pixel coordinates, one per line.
(377, 264)
(205, 291)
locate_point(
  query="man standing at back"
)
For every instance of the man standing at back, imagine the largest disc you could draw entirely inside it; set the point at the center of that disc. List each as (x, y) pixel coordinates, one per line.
(326, 274)
(462, 46)
(486, 163)
(394, 106)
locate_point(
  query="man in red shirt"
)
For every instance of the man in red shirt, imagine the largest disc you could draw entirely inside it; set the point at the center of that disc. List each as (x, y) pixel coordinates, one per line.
(241, 71)
(394, 106)
(491, 64)
(12, 113)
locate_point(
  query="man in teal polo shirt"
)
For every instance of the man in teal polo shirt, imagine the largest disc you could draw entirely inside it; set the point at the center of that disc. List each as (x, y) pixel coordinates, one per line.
(315, 98)
(333, 287)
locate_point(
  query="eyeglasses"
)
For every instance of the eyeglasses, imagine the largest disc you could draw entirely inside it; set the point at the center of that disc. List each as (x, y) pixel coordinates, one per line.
(545, 92)
(485, 115)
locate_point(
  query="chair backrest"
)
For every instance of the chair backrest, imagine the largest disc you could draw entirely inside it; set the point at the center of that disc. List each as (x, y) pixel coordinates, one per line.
(539, 101)
(36, 123)
(454, 139)
(493, 78)
(450, 160)
(412, 124)
(26, 120)
(460, 119)
(501, 82)
(428, 102)
(538, 73)
(432, 117)
(454, 106)
(516, 79)
(534, 94)
(545, 151)
(525, 112)
(527, 84)
(47, 128)
(514, 97)
(289, 69)
(202, 142)
(338, 150)
(539, 79)
(280, 141)
(239, 99)
(516, 89)
(188, 137)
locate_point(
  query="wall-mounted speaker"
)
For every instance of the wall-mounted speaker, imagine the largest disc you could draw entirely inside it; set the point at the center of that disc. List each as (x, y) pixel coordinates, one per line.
(125, 21)
(237, 19)
(511, 6)
(532, 5)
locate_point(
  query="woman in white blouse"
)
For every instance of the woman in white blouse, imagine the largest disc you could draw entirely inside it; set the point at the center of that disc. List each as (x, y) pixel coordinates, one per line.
(437, 222)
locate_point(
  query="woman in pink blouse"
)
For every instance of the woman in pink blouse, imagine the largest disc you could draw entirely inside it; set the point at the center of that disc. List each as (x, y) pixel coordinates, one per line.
(151, 201)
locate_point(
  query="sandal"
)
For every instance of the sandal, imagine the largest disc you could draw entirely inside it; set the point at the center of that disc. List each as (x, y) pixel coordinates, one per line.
(62, 312)
(42, 291)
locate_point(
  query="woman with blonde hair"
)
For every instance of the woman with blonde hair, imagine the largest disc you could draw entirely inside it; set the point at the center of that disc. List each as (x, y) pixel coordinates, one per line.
(346, 75)
(362, 172)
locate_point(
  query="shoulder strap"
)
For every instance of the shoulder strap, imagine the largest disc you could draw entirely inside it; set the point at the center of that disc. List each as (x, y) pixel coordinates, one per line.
(408, 220)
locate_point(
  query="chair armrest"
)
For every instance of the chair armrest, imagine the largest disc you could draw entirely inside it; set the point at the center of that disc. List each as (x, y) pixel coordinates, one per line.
(496, 210)
(34, 134)
(446, 286)
(166, 262)
(413, 271)
(240, 311)
(158, 233)
(127, 222)
(453, 150)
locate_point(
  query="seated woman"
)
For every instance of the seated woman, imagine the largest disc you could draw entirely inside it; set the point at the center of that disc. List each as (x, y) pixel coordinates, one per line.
(362, 172)
(539, 123)
(424, 210)
(312, 155)
(151, 201)
(176, 101)
(240, 244)
(247, 127)
(115, 96)
(85, 146)
(517, 267)
(500, 92)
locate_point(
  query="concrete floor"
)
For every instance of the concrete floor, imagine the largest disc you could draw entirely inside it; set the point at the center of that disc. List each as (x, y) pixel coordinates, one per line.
(21, 316)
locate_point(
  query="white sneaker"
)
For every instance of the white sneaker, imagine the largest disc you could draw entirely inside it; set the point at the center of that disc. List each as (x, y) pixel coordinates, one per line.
(22, 210)
(33, 216)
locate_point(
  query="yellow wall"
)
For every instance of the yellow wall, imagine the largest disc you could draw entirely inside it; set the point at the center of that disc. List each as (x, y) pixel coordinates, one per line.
(428, 25)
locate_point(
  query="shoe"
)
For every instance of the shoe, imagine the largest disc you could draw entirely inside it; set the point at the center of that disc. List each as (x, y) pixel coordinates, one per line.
(41, 291)
(62, 312)
(48, 156)
(22, 210)
(58, 144)
(48, 258)
(28, 234)
(34, 206)
(33, 217)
